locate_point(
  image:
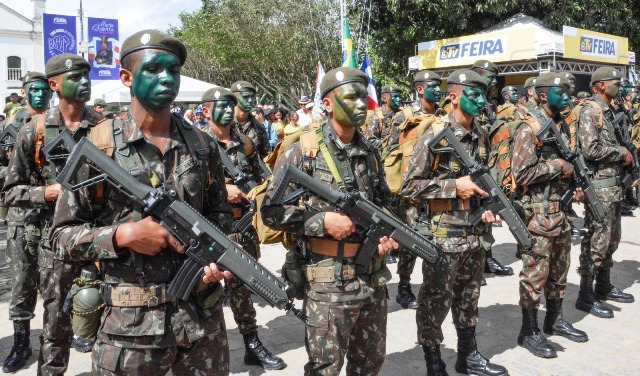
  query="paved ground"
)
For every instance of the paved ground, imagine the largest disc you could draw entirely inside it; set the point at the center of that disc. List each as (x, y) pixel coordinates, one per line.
(611, 350)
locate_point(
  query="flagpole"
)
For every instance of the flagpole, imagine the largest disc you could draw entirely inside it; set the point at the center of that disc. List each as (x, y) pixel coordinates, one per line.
(342, 24)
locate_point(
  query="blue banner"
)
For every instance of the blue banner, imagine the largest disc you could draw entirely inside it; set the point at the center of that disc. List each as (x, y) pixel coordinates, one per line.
(59, 33)
(104, 49)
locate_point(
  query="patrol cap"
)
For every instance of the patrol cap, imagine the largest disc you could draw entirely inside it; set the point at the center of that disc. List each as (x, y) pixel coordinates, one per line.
(33, 76)
(507, 89)
(583, 95)
(390, 89)
(466, 77)
(486, 65)
(218, 93)
(154, 39)
(426, 75)
(552, 79)
(530, 82)
(341, 76)
(100, 102)
(605, 74)
(65, 63)
(239, 86)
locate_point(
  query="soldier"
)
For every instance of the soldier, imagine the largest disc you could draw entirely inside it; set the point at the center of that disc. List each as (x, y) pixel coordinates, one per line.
(530, 94)
(217, 105)
(23, 236)
(544, 177)
(137, 256)
(379, 123)
(508, 109)
(572, 85)
(347, 310)
(624, 103)
(438, 182)
(582, 96)
(606, 157)
(99, 105)
(245, 122)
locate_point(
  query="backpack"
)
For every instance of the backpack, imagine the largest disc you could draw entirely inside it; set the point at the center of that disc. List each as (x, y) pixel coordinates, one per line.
(501, 141)
(572, 120)
(376, 111)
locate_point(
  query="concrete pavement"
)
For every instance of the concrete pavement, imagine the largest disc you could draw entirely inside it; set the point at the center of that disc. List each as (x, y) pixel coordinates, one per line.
(612, 348)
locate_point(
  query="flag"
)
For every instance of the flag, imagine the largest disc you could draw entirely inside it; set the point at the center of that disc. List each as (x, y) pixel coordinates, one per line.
(371, 88)
(317, 100)
(348, 54)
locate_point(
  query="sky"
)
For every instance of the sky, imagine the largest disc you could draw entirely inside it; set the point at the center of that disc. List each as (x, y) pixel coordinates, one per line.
(132, 15)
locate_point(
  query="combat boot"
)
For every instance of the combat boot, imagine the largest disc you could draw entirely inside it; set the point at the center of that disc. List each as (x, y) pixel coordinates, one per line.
(587, 301)
(435, 365)
(257, 355)
(82, 344)
(21, 351)
(491, 265)
(554, 323)
(530, 337)
(405, 297)
(470, 361)
(606, 291)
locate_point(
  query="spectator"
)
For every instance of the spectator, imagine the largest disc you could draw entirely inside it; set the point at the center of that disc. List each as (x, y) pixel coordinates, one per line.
(13, 103)
(189, 116)
(278, 123)
(259, 114)
(293, 126)
(201, 121)
(304, 114)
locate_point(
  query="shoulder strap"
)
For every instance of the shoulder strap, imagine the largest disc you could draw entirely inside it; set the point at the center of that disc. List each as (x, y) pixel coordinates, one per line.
(101, 135)
(39, 140)
(309, 146)
(247, 143)
(407, 111)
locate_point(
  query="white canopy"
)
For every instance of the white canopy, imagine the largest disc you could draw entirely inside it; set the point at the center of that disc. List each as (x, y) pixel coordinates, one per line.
(191, 90)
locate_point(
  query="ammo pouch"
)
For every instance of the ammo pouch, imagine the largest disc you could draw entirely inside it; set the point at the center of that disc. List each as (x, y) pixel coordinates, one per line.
(129, 295)
(324, 272)
(32, 237)
(523, 208)
(292, 272)
(207, 295)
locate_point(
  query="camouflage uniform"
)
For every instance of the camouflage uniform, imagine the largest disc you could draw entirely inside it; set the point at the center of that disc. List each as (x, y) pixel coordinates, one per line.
(507, 110)
(25, 187)
(187, 337)
(459, 287)
(376, 134)
(348, 318)
(258, 135)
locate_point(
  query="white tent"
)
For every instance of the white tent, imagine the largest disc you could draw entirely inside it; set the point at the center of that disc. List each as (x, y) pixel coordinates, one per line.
(115, 92)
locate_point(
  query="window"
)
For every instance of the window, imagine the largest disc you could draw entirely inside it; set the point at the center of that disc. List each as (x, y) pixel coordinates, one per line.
(14, 68)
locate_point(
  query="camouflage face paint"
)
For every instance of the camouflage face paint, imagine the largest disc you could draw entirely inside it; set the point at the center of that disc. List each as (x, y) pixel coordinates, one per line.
(557, 98)
(432, 91)
(350, 104)
(156, 79)
(513, 96)
(223, 112)
(246, 100)
(472, 101)
(38, 94)
(395, 100)
(76, 85)
(491, 79)
(612, 87)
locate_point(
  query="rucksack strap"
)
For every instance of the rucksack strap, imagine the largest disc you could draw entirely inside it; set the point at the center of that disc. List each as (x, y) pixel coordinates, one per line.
(39, 140)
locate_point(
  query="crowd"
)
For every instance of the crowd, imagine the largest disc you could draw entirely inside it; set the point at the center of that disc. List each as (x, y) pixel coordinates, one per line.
(104, 267)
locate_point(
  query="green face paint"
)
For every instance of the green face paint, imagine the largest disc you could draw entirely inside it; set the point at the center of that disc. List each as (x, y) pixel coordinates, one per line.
(350, 104)
(491, 79)
(38, 94)
(612, 88)
(156, 79)
(472, 101)
(513, 96)
(395, 100)
(431, 91)
(557, 98)
(246, 100)
(76, 86)
(223, 112)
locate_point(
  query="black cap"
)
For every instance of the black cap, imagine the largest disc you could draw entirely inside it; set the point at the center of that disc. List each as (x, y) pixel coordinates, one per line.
(341, 76)
(65, 63)
(154, 39)
(33, 76)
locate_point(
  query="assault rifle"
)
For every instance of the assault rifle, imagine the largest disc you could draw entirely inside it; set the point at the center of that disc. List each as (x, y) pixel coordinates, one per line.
(621, 127)
(204, 243)
(549, 133)
(365, 214)
(245, 182)
(58, 149)
(497, 201)
(8, 136)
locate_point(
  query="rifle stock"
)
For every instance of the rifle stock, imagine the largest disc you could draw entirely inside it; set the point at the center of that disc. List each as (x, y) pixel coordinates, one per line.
(8, 136)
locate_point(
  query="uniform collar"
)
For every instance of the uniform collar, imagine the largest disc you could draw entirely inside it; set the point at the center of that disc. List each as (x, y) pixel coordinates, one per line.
(89, 118)
(132, 134)
(358, 144)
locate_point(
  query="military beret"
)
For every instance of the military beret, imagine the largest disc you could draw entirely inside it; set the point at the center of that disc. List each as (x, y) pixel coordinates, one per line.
(341, 76)
(568, 76)
(146, 39)
(390, 89)
(65, 63)
(239, 86)
(218, 93)
(99, 102)
(486, 65)
(507, 89)
(33, 76)
(124, 109)
(552, 79)
(605, 74)
(466, 77)
(583, 95)
(426, 75)
(530, 82)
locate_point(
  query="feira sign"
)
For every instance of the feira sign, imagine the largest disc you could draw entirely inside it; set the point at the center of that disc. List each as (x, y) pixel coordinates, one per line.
(497, 46)
(589, 45)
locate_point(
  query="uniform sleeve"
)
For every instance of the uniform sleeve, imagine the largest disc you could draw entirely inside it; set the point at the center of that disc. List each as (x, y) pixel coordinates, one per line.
(525, 166)
(17, 186)
(374, 135)
(216, 206)
(418, 182)
(589, 136)
(291, 218)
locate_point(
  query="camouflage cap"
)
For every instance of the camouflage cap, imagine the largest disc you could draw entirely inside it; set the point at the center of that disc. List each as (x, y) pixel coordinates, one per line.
(239, 86)
(583, 95)
(390, 89)
(426, 75)
(341, 76)
(100, 102)
(552, 79)
(218, 93)
(507, 89)
(153, 39)
(530, 82)
(605, 74)
(65, 63)
(466, 77)
(33, 76)
(485, 65)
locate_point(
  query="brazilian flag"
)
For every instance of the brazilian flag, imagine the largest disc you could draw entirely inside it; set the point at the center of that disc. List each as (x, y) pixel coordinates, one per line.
(348, 54)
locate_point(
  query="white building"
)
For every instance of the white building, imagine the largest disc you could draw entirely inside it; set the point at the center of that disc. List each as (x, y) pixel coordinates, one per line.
(21, 44)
